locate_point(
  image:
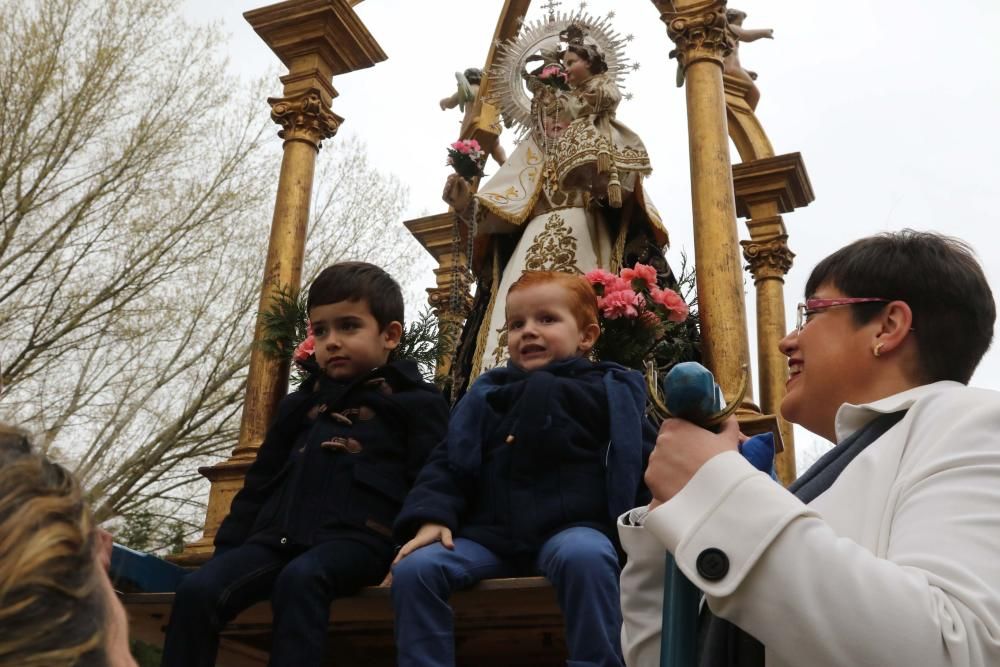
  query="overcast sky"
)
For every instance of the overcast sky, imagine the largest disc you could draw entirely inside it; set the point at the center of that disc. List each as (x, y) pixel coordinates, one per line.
(892, 105)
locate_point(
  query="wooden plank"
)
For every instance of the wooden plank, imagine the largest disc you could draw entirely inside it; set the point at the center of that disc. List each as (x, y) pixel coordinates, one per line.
(498, 623)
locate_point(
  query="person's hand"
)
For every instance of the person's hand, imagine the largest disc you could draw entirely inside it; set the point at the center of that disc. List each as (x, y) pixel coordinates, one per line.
(681, 450)
(456, 192)
(429, 533)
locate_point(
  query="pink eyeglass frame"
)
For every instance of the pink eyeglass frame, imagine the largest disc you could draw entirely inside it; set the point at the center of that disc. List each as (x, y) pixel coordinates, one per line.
(813, 305)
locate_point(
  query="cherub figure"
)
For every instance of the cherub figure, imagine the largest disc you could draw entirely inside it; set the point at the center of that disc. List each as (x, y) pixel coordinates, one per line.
(463, 98)
(731, 65)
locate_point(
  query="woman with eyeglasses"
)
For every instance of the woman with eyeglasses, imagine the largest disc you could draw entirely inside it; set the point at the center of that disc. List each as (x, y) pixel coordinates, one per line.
(887, 550)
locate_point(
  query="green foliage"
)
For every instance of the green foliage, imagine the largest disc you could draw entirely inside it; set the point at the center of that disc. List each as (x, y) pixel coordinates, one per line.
(423, 342)
(138, 532)
(145, 654)
(146, 531)
(178, 535)
(624, 342)
(682, 341)
(286, 324)
(633, 341)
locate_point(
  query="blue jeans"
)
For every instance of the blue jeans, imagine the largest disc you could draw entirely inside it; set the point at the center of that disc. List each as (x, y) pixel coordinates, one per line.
(580, 562)
(300, 584)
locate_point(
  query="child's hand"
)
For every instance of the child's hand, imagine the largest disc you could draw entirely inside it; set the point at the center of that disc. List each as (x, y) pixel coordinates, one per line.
(429, 533)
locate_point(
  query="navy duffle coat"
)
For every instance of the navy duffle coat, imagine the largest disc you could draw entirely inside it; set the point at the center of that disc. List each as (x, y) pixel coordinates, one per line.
(338, 460)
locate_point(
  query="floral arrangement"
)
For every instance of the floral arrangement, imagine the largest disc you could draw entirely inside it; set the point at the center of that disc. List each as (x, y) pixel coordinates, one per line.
(638, 318)
(466, 157)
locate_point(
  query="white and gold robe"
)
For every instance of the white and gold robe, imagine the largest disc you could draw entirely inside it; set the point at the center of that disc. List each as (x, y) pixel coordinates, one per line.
(559, 231)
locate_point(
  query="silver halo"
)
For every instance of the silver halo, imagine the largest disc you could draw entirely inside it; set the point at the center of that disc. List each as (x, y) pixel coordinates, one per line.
(506, 89)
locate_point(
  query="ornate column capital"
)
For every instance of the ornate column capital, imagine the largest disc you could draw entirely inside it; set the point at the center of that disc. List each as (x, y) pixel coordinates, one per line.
(304, 117)
(699, 29)
(451, 298)
(768, 258)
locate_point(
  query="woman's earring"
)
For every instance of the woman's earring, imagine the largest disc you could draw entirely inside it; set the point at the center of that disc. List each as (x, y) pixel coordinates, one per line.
(877, 350)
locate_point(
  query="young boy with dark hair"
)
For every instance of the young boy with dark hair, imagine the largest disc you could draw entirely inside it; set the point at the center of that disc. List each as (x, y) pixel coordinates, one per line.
(540, 458)
(313, 520)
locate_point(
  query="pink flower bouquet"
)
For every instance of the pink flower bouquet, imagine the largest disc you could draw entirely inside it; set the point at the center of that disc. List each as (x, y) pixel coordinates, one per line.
(555, 76)
(636, 315)
(466, 157)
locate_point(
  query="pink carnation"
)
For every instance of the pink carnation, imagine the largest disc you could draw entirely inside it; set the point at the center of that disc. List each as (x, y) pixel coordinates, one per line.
(619, 285)
(602, 278)
(643, 272)
(673, 302)
(551, 71)
(306, 347)
(622, 303)
(467, 147)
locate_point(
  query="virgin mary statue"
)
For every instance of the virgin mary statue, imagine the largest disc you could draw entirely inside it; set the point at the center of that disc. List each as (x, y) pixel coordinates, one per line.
(569, 198)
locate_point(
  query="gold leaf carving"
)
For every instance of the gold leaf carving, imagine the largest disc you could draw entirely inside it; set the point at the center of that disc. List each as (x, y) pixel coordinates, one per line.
(554, 248)
(304, 118)
(500, 351)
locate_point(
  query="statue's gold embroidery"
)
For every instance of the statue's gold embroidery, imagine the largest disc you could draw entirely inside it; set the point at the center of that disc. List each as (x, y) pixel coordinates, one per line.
(500, 351)
(554, 248)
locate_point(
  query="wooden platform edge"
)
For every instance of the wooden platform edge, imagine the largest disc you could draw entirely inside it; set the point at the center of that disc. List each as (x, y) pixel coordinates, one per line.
(516, 604)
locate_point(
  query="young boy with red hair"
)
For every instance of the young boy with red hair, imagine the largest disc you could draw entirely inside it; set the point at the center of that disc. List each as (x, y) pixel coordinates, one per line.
(541, 457)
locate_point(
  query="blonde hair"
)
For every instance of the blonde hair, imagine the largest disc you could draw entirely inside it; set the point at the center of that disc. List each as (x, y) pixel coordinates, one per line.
(51, 610)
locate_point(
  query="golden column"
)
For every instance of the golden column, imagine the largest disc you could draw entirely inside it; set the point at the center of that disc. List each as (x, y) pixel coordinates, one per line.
(698, 28)
(315, 40)
(450, 299)
(765, 188)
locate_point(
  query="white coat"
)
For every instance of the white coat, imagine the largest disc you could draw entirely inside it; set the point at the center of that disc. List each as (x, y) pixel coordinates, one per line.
(897, 563)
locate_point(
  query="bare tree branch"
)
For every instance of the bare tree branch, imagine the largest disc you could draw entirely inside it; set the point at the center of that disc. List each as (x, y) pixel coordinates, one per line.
(136, 191)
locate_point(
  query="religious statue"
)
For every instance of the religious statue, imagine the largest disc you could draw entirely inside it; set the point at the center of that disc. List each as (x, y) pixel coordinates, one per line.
(569, 198)
(464, 98)
(596, 151)
(731, 64)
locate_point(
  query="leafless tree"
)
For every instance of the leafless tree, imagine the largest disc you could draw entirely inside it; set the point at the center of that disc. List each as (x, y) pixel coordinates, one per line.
(136, 186)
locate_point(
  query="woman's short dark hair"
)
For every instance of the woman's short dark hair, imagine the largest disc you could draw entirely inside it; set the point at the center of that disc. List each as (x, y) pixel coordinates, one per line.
(937, 276)
(353, 281)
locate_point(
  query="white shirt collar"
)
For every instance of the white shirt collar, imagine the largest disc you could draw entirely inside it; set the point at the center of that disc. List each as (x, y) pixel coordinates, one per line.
(852, 417)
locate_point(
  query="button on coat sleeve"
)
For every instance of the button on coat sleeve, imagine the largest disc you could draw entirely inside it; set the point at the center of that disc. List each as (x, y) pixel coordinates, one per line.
(925, 592)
